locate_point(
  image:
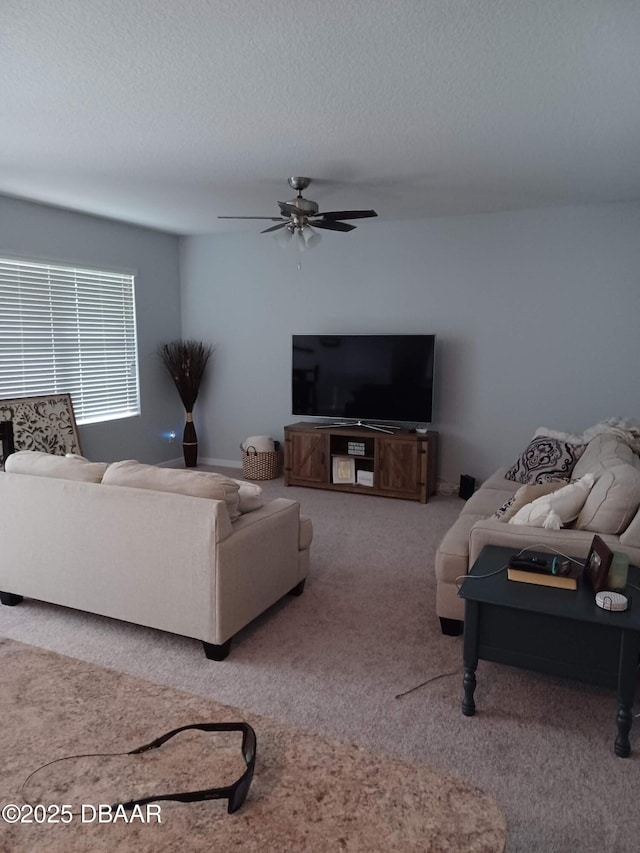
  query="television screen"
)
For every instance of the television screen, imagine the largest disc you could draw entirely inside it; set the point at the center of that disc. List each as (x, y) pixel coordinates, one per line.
(363, 377)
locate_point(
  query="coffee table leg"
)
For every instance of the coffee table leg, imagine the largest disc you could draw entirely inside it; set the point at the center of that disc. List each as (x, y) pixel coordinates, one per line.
(626, 692)
(470, 657)
(469, 684)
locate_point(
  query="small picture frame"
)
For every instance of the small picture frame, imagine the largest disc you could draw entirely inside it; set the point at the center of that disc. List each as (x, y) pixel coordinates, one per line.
(344, 469)
(596, 567)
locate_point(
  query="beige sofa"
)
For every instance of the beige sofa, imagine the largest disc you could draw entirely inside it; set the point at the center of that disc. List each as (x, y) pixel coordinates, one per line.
(180, 551)
(611, 510)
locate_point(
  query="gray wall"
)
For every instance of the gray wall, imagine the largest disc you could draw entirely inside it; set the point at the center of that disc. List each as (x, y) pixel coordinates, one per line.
(38, 232)
(536, 314)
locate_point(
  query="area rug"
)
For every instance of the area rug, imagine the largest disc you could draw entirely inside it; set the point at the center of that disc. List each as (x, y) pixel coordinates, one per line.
(308, 793)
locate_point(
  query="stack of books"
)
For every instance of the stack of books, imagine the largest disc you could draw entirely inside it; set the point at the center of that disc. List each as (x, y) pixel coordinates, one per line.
(544, 571)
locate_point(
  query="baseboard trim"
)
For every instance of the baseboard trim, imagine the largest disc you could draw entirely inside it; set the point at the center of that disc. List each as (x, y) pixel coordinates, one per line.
(221, 463)
(202, 460)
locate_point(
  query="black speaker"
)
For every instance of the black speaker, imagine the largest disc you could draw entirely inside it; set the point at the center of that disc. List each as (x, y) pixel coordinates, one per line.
(467, 486)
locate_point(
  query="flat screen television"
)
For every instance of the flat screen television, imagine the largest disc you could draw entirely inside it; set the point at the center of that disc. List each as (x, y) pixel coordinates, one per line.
(363, 377)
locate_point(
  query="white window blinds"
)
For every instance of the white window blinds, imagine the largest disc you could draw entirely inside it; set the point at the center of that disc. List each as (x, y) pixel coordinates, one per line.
(67, 330)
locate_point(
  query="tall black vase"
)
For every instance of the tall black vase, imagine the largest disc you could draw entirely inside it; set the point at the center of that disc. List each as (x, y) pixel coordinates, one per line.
(190, 443)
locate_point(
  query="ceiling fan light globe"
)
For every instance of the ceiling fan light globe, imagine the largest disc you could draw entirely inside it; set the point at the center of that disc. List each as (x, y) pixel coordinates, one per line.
(283, 236)
(311, 237)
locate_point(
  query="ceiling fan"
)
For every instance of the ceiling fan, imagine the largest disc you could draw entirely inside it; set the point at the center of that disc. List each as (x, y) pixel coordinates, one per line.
(299, 214)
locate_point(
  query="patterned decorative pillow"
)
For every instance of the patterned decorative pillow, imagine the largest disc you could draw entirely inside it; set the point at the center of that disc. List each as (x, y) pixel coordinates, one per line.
(502, 511)
(545, 459)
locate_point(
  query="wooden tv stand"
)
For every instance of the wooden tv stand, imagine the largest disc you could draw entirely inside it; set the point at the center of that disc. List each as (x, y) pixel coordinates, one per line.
(398, 465)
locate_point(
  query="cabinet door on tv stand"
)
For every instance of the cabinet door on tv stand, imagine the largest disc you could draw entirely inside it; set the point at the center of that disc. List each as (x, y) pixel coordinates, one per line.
(400, 468)
(306, 457)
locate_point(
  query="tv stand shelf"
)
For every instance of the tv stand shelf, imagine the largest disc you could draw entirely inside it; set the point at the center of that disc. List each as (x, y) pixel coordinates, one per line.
(402, 464)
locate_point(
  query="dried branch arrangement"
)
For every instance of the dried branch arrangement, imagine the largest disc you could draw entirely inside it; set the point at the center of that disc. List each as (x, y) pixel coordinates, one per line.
(186, 362)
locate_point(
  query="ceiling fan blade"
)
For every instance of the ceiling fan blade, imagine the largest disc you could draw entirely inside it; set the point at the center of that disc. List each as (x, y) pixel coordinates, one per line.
(275, 227)
(270, 218)
(332, 226)
(347, 214)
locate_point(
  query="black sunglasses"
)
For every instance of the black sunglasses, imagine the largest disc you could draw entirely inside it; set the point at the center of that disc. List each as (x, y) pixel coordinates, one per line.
(236, 794)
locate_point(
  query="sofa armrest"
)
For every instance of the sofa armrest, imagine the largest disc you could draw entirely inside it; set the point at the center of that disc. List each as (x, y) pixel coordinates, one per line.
(264, 513)
(256, 565)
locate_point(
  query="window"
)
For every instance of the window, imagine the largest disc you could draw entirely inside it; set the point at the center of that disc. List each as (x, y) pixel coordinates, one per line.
(68, 330)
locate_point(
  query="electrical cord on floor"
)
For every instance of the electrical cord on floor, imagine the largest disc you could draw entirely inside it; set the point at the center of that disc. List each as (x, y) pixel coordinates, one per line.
(447, 489)
(428, 681)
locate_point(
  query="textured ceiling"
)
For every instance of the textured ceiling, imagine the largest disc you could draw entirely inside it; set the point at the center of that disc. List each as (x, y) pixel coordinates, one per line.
(168, 113)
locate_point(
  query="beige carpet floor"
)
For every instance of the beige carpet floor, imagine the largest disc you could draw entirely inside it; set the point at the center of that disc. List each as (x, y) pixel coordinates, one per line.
(332, 661)
(309, 793)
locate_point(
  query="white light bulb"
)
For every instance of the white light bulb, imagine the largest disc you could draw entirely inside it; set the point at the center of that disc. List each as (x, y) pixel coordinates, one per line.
(311, 237)
(282, 236)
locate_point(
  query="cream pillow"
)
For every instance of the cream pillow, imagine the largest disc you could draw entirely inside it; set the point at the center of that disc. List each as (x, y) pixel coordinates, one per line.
(555, 510)
(605, 451)
(40, 464)
(630, 538)
(197, 484)
(612, 502)
(250, 495)
(525, 495)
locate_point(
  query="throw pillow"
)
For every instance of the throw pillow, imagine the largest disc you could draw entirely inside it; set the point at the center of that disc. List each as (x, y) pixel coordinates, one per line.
(545, 459)
(526, 495)
(250, 495)
(558, 509)
(605, 451)
(197, 484)
(501, 512)
(40, 464)
(612, 502)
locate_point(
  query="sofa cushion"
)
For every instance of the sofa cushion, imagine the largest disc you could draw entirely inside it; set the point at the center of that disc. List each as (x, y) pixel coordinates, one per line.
(198, 484)
(605, 451)
(630, 538)
(545, 459)
(455, 541)
(305, 533)
(485, 501)
(498, 480)
(250, 495)
(525, 495)
(612, 502)
(41, 464)
(558, 509)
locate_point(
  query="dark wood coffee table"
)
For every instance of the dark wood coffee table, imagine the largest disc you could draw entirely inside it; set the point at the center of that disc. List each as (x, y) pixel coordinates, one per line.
(555, 631)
